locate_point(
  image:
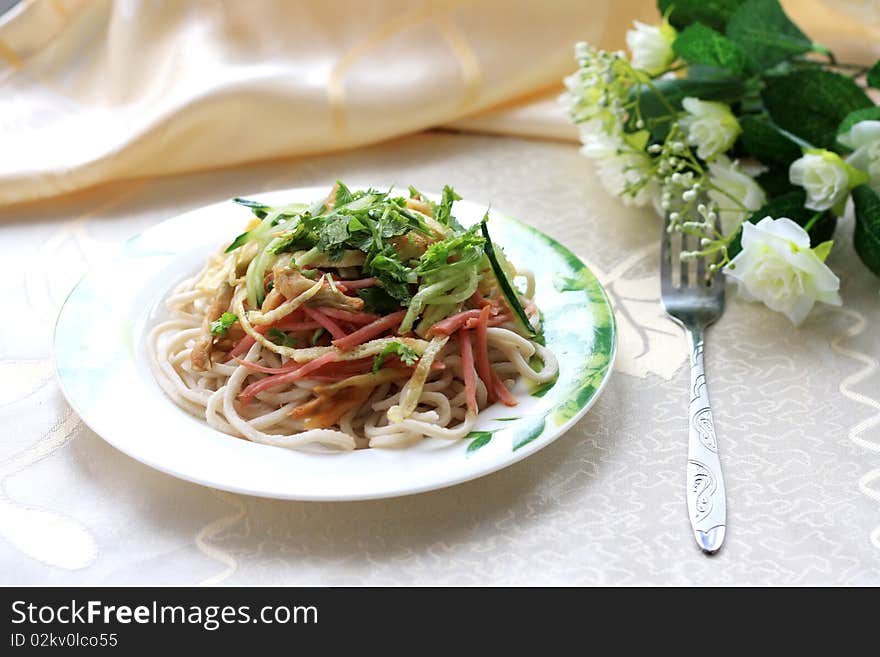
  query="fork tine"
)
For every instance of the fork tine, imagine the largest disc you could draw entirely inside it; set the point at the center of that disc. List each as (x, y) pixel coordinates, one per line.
(701, 272)
(716, 281)
(686, 279)
(666, 258)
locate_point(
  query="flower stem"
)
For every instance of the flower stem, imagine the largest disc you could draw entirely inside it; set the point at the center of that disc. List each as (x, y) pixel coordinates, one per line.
(803, 143)
(812, 222)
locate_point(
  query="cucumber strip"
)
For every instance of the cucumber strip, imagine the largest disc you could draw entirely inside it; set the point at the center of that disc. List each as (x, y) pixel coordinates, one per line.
(519, 313)
(259, 209)
(241, 240)
(268, 215)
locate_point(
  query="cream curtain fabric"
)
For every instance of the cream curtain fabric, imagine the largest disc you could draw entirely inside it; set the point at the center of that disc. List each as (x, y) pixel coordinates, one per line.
(95, 90)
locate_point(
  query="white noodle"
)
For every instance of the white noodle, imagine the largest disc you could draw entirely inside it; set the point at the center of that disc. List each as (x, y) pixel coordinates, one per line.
(440, 411)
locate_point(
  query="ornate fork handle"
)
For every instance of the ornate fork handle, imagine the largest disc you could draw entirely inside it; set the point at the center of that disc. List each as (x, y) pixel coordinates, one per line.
(705, 486)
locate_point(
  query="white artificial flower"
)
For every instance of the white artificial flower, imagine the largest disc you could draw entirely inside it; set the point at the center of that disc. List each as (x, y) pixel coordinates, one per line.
(599, 88)
(729, 185)
(778, 267)
(623, 167)
(826, 178)
(651, 46)
(864, 139)
(710, 126)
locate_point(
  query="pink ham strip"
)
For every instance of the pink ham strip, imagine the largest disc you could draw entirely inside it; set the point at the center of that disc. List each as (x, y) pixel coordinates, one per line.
(498, 320)
(482, 354)
(469, 374)
(242, 347)
(292, 322)
(348, 316)
(287, 377)
(466, 319)
(358, 284)
(370, 331)
(287, 367)
(452, 323)
(327, 322)
(501, 391)
(296, 326)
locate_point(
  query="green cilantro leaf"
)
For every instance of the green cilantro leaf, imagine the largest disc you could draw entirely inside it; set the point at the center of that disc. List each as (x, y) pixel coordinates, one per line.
(406, 355)
(221, 325)
(443, 213)
(466, 247)
(281, 338)
(343, 195)
(378, 301)
(333, 236)
(391, 272)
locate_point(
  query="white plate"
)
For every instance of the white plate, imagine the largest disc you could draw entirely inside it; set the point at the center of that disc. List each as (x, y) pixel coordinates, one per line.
(101, 362)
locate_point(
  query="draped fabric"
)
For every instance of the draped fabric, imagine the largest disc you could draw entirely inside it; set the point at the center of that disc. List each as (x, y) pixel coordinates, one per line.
(99, 90)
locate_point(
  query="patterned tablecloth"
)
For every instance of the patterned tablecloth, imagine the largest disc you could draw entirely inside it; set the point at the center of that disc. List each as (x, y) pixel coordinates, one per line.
(798, 414)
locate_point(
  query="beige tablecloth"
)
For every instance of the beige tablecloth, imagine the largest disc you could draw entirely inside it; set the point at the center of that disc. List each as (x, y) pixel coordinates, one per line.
(798, 414)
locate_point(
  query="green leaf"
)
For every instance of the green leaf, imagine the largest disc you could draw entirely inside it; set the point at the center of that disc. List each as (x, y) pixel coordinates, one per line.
(873, 78)
(866, 114)
(281, 338)
(259, 209)
(812, 103)
(378, 301)
(479, 439)
(315, 336)
(699, 44)
(221, 325)
(237, 242)
(391, 272)
(654, 110)
(343, 195)
(406, 354)
(444, 210)
(866, 237)
(823, 250)
(714, 13)
(543, 388)
(766, 34)
(775, 181)
(791, 205)
(333, 234)
(762, 140)
(531, 432)
(463, 247)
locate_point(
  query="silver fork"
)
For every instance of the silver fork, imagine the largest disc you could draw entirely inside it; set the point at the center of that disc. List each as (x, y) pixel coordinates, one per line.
(695, 303)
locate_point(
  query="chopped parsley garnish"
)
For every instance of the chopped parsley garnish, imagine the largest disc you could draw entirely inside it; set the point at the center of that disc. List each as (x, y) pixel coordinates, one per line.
(220, 325)
(431, 267)
(406, 355)
(317, 336)
(281, 338)
(443, 212)
(377, 301)
(464, 248)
